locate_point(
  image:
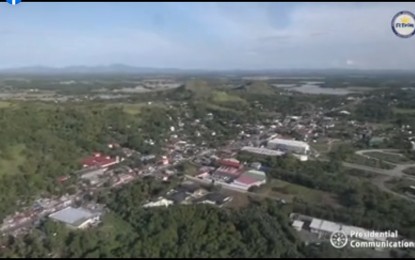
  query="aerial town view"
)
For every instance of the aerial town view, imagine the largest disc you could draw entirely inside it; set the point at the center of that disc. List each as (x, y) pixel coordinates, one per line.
(207, 130)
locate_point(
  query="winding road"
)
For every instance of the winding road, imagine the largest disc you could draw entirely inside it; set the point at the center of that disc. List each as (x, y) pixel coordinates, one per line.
(387, 174)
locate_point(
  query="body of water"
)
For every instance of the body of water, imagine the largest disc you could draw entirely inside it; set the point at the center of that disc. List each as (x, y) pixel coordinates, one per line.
(314, 88)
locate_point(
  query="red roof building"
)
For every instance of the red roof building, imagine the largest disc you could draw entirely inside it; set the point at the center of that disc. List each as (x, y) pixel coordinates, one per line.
(230, 163)
(245, 180)
(99, 160)
(231, 171)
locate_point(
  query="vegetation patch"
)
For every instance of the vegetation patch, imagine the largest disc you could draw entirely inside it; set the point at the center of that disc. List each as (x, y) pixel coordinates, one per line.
(403, 110)
(5, 104)
(277, 187)
(401, 185)
(410, 171)
(224, 97)
(359, 173)
(11, 159)
(388, 157)
(371, 162)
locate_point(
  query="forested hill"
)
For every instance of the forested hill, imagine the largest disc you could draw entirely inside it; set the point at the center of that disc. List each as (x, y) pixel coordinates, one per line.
(261, 230)
(40, 142)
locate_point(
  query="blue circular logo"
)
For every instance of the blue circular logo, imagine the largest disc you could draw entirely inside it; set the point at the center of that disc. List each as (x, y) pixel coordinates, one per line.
(403, 24)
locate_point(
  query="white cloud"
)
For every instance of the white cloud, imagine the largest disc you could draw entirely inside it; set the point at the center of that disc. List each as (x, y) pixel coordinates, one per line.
(241, 35)
(319, 33)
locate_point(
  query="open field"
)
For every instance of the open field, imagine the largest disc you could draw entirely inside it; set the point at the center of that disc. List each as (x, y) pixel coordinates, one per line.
(220, 108)
(388, 157)
(10, 161)
(223, 97)
(323, 147)
(380, 126)
(189, 168)
(5, 104)
(403, 110)
(134, 109)
(371, 162)
(112, 224)
(289, 191)
(239, 200)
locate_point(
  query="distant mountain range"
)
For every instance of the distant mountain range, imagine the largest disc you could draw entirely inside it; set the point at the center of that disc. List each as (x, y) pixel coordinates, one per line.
(126, 69)
(115, 68)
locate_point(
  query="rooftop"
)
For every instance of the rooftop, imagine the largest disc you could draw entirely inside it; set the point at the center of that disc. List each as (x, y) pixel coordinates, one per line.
(288, 142)
(228, 170)
(179, 196)
(230, 162)
(261, 173)
(216, 197)
(263, 151)
(72, 216)
(190, 188)
(298, 224)
(98, 160)
(246, 180)
(324, 225)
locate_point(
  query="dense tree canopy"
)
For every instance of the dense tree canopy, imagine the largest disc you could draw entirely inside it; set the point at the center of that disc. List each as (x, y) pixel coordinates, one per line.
(181, 231)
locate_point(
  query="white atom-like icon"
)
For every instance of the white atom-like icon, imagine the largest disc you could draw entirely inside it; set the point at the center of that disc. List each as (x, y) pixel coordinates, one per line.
(338, 239)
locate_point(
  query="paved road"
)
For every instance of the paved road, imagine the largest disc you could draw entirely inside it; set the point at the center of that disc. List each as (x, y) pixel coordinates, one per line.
(395, 172)
(388, 174)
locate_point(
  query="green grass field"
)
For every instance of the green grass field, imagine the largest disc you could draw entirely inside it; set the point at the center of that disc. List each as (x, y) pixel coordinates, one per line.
(134, 109)
(10, 162)
(112, 224)
(371, 162)
(321, 147)
(5, 104)
(288, 191)
(223, 97)
(388, 157)
(403, 110)
(200, 88)
(220, 108)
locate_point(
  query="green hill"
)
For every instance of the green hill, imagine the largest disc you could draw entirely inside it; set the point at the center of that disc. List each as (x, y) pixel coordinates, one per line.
(256, 87)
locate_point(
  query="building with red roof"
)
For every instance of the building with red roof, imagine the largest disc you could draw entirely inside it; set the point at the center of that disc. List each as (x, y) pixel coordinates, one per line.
(245, 180)
(99, 160)
(231, 171)
(230, 163)
(249, 179)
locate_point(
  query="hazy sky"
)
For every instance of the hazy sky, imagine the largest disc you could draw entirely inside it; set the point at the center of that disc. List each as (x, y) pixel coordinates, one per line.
(205, 35)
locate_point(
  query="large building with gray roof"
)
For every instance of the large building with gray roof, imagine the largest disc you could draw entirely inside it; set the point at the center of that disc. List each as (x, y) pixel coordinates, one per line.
(75, 217)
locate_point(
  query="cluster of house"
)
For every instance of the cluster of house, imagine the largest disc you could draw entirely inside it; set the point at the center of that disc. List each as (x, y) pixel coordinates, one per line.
(94, 168)
(232, 173)
(96, 171)
(189, 193)
(44, 207)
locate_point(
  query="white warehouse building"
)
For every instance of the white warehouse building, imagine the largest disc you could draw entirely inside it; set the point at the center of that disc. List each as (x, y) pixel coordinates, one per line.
(298, 148)
(77, 218)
